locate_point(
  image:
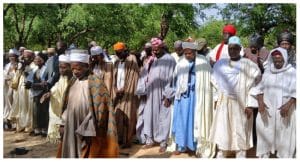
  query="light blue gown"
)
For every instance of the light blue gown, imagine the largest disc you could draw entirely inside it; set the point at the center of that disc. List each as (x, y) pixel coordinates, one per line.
(183, 119)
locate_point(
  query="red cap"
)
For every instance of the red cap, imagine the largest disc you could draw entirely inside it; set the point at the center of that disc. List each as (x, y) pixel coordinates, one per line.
(230, 29)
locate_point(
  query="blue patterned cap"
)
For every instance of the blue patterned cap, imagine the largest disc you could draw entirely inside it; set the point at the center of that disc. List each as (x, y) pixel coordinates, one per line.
(234, 40)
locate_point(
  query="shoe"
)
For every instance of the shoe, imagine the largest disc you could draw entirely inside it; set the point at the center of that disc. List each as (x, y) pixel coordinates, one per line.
(162, 149)
(176, 153)
(34, 134)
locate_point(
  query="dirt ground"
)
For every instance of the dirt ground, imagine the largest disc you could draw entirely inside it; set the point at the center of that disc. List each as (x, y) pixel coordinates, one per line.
(39, 148)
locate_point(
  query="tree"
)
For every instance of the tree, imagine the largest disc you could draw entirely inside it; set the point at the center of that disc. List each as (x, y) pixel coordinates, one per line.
(21, 17)
(266, 19)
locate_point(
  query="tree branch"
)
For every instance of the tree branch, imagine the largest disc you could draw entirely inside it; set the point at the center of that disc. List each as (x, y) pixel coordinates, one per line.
(29, 28)
(16, 19)
(7, 8)
(80, 33)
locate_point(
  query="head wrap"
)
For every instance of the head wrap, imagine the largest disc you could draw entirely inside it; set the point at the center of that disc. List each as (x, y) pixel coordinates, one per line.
(284, 54)
(178, 44)
(257, 41)
(189, 45)
(230, 29)
(14, 52)
(201, 42)
(96, 50)
(93, 43)
(28, 51)
(276, 52)
(64, 58)
(36, 52)
(156, 42)
(234, 40)
(119, 46)
(22, 48)
(51, 50)
(78, 55)
(44, 52)
(285, 36)
(148, 45)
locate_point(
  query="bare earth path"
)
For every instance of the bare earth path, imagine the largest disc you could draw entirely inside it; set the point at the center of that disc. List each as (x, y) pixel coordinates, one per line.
(40, 148)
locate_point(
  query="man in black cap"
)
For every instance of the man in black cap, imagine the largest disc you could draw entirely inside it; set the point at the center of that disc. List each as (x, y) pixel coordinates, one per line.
(286, 40)
(256, 51)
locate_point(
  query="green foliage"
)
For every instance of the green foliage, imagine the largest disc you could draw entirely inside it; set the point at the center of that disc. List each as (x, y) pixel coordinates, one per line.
(38, 26)
(267, 19)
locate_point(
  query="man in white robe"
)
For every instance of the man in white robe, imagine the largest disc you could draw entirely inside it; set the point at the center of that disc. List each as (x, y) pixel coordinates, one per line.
(232, 123)
(9, 72)
(22, 108)
(276, 94)
(178, 53)
(193, 111)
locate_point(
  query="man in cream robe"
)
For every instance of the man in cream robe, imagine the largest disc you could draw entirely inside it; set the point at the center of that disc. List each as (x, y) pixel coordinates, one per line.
(9, 72)
(22, 108)
(276, 93)
(56, 98)
(232, 123)
(193, 111)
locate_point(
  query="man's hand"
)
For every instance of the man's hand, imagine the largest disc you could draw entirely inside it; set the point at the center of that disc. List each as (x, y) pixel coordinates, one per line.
(284, 109)
(44, 97)
(262, 108)
(61, 131)
(248, 112)
(167, 102)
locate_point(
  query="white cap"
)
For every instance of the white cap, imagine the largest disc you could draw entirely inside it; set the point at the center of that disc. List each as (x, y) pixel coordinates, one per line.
(13, 51)
(96, 50)
(235, 40)
(189, 45)
(36, 52)
(78, 55)
(64, 58)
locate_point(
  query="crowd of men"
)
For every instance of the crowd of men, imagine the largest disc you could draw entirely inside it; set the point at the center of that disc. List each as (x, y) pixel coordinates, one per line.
(197, 100)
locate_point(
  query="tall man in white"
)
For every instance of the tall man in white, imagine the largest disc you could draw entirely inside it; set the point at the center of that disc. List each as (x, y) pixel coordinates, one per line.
(232, 123)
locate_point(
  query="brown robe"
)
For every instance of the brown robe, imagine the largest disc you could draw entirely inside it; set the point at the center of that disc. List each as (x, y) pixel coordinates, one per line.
(106, 75)
(126, 106)
(104, 144)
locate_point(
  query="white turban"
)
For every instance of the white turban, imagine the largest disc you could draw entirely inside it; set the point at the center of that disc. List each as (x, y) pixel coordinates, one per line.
(13, 51)
(189, 45)
(28, 51)
(96, 50)
(79, 56)
(36, 52)
(178, 44)
(64, 58)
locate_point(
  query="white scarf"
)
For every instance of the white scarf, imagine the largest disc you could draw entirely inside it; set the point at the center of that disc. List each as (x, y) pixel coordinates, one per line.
(285, 66)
